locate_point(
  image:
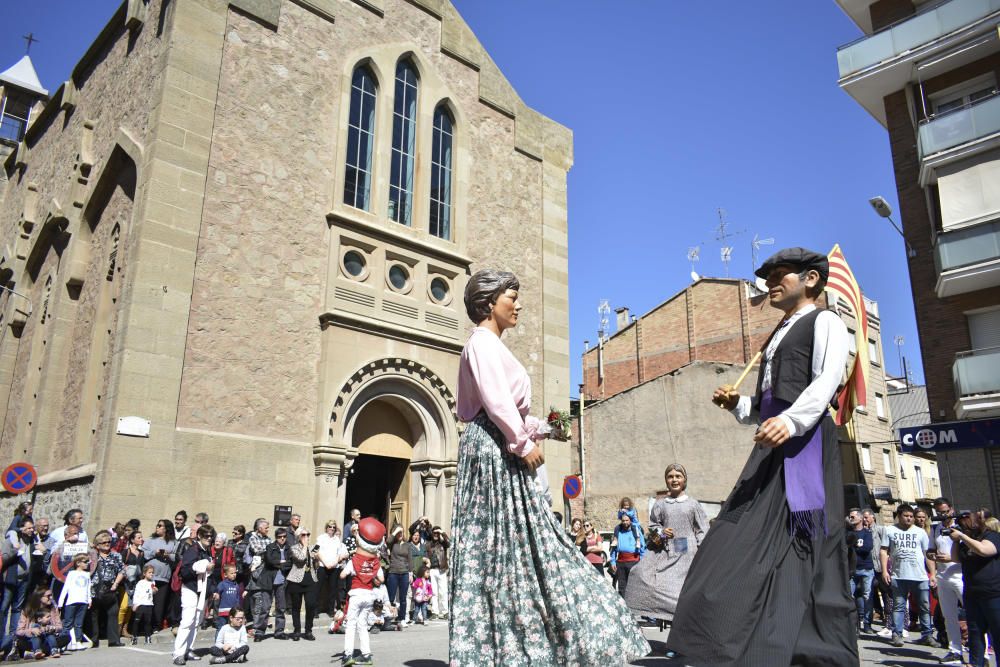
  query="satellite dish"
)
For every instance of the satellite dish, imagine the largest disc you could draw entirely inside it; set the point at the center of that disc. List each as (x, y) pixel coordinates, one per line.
(761, 284)
(695, 277)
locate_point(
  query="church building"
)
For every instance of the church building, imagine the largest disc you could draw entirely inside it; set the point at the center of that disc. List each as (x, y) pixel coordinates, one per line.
(234, 248)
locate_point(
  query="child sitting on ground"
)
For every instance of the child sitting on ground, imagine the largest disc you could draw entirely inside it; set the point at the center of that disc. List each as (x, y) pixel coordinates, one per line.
(231, 641)
(422, 594)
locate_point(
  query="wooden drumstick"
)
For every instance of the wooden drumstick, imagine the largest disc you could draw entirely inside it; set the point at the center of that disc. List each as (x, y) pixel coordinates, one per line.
(746, 371)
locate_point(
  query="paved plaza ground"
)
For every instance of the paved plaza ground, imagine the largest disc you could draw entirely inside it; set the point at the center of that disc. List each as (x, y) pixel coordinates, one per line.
(424, 646)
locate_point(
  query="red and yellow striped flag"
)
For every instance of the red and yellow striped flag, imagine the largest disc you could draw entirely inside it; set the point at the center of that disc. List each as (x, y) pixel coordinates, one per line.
(841, 283)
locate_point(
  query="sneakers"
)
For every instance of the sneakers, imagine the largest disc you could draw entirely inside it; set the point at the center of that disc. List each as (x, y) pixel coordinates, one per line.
(366, 659)
(897, 640)
(906, 634)
(927, 641)
(952, 658)
(885, 633)
(218, 660)
(180, 661)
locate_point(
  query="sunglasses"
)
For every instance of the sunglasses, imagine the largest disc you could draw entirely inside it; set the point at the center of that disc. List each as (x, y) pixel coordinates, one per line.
(103, 543)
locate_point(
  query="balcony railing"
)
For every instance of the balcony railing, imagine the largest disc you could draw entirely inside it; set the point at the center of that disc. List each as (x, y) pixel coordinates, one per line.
(954, 128)
(967, 247)
(907, 35)
(977, 372)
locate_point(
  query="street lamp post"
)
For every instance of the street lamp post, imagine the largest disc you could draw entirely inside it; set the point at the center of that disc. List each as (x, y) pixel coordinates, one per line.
(882, 207)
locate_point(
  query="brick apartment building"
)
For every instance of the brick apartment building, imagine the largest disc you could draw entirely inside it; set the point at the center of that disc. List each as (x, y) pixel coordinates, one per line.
(646, 385)
(928, 72)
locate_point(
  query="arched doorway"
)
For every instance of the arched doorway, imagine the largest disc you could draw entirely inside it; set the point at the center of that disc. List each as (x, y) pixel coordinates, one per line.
(379, 480)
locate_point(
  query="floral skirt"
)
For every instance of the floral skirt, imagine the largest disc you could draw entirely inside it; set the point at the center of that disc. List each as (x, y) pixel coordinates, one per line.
(521, 591)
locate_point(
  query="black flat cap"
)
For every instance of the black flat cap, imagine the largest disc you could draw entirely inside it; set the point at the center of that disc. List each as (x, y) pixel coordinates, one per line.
(802, 258)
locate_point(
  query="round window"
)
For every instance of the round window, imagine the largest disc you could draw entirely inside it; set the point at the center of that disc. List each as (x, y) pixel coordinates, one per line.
(354, 263)
(399, 277)
(439, 289)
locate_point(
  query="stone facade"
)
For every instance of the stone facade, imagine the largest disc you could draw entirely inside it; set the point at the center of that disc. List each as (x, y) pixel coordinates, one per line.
(176, 216)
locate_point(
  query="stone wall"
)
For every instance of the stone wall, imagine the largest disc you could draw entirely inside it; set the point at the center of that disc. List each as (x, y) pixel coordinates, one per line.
(53, 501)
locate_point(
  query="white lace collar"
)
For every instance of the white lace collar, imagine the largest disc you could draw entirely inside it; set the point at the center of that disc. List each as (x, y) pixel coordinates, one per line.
(679, 499)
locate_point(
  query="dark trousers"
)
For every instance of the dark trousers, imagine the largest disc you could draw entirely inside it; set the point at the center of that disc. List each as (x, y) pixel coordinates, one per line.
(982, 615)
(72, 619)
(280, 595)
(621, 575)
(104, 612)
(230, 657)
(328, 593)
(296, 593)
(160, 599)
(142, 621)
(398, 585)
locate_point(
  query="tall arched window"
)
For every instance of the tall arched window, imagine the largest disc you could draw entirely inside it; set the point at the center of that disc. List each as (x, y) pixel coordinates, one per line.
(360, 140)
(441, 173)
(404, 133)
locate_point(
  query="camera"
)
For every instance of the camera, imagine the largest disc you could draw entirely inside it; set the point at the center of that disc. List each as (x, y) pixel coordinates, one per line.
(947, 531)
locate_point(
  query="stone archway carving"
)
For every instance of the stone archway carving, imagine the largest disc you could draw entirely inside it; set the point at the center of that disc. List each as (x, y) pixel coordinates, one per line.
(397, 367)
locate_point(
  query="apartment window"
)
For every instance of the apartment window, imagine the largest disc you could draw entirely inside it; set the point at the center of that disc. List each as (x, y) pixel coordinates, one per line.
(360, 140)
(918, 482)
(964, 94)
(15, 107)
(852, 343)
(873, 352)
(880, 405)
(866, 457)
(441, 173)
(404, 134)
(887, 463)
(984, 328)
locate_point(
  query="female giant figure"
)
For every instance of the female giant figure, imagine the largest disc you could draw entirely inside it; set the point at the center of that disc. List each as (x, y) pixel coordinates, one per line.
(522, 593)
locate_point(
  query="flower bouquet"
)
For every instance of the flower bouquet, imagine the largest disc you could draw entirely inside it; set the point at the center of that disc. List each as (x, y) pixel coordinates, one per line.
(561, 424)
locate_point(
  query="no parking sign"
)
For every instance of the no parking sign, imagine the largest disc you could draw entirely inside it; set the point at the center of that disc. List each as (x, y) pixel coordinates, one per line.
(19, 477)
(572, 486)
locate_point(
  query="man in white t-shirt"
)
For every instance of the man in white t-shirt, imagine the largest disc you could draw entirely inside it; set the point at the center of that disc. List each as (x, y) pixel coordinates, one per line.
(906, 545)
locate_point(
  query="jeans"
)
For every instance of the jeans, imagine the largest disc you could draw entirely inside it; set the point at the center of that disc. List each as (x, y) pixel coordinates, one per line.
(73, 615)
(901, 588)
(982, 615)
(261, 608)
(13, 601)
(861, 591)
(279, 593)
(48, 640)
(398, 585)
(419, 611)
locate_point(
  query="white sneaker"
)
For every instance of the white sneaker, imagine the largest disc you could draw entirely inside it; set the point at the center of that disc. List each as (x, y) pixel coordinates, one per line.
(906, 634)
(885, 632)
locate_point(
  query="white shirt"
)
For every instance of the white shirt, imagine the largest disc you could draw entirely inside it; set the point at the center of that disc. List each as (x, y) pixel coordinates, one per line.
(143, 594)
(59, 535)
(831, 347)
(330, 548)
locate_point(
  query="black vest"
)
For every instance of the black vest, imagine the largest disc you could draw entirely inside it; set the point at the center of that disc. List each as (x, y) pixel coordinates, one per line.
(791, 367)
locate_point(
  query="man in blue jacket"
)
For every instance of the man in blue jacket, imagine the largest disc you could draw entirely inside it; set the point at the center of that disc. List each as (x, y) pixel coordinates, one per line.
(627, 548)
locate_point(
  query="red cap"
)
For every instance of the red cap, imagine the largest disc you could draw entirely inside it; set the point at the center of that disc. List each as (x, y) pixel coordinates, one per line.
(371, 533)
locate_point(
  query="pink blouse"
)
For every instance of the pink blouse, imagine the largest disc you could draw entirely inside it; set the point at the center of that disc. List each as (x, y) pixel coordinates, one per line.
(490, 378)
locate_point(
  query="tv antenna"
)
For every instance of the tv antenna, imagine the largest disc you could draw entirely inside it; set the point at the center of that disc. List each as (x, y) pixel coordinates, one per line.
(604, 311)
(722, 233)
(755, 247)
(693, 256)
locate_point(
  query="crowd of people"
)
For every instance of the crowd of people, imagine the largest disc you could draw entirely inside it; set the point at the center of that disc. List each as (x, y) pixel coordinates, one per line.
(66, 592)
(937, 575)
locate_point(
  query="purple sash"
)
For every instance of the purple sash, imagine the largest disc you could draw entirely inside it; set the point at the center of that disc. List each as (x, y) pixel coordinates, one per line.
(804, 489)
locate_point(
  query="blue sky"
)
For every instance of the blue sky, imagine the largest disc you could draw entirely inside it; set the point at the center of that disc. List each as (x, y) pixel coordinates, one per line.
(677, 109)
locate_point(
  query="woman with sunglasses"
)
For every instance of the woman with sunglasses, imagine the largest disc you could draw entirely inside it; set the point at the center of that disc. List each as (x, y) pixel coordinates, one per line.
(519, 582)
(330, 555)
(589, 541)
(302, 584)
(160, 551)
(109, 571)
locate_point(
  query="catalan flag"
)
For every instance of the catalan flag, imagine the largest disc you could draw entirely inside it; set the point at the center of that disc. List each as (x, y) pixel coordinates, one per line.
(841, 283)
